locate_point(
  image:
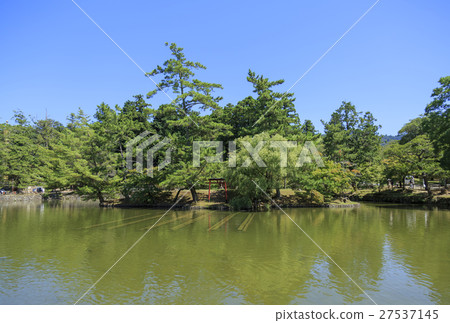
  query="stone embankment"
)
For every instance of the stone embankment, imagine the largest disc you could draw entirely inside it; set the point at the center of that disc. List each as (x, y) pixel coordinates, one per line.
(36, 198)
(21, 198)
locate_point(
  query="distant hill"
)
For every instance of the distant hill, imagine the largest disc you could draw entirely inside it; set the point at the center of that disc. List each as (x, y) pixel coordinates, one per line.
(386, 138)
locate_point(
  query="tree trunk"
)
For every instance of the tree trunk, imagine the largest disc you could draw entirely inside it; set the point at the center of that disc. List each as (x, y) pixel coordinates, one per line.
(255, 205)
(194, 194)
(278, 193)
(427, 185)
(100, 197)
(126, 193)
(176, 196)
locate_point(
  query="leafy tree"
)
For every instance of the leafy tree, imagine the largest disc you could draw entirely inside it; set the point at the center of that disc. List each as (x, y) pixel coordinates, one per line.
(19, 152)
(437, 124)
(77, 121)
(351, 138)
(100, 161)
(5, 129)
(373, 173)
(270, 111)
(411, 130)
(179, 121)
(424, 161)
(32, 153)
(275, 111)
(365, 140)
(309, 131)
(97, 160)
(178, 75)
(395, 160)
(331, 180)
(56, 163)
(47, 131)
(266, 172)
(413, 154)
(132, 120)
(338, 132)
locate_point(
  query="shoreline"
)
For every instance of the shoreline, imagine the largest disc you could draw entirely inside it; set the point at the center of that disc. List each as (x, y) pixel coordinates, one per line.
(224, 207)
(38, 198)
(403, 197)
(386, 196)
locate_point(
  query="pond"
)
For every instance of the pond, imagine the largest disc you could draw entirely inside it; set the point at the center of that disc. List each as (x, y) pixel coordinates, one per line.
(52, 254)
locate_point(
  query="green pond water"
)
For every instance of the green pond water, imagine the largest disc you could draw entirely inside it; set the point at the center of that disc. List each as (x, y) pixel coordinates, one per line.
(51, 254)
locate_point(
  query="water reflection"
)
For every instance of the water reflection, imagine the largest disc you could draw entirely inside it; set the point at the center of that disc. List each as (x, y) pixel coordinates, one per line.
(51, 254)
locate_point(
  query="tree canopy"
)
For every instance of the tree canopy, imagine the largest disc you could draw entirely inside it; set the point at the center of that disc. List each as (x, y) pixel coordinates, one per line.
(88, 154)
(438, 121)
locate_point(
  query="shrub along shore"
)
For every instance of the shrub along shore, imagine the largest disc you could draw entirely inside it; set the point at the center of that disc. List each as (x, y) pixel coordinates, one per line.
(404, 197)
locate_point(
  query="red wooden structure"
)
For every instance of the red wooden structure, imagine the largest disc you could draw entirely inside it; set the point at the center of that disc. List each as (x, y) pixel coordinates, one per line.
(221, 182)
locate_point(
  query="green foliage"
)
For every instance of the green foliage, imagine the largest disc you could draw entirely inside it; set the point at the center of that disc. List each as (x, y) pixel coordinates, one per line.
(181, 123)
(89, 155)
(268, 175)
(437, 124)
(311, 197)
(178, 75)
(351, 138)
(396, 162)
(270, 111)
(20, 153)
(329, 180)
(412, 155)
(309, 131)
(240, 203)
(143, 189)
(332, 180)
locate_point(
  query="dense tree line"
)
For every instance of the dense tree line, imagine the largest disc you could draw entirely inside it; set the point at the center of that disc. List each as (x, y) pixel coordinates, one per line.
(88, 154)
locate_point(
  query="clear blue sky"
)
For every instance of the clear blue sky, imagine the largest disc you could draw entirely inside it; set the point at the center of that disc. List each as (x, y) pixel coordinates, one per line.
(53, 57)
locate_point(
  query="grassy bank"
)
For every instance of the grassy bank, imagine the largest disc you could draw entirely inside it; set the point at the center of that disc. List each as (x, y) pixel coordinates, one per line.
(400, 196)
